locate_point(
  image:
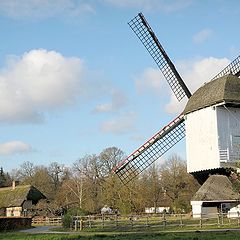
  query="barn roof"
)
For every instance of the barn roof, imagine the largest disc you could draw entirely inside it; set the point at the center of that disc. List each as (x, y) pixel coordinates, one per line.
(216, 187)
(224, 89)
(10, 197)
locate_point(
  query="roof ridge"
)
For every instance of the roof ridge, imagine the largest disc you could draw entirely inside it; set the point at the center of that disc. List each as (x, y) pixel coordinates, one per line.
(221, 90)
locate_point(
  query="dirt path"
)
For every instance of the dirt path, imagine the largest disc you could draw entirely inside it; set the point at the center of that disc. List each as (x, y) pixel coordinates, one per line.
(42, 229)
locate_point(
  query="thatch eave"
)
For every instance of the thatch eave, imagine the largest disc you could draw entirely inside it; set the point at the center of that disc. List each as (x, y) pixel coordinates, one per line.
(216, 188)
(225, 89)
(15, 197)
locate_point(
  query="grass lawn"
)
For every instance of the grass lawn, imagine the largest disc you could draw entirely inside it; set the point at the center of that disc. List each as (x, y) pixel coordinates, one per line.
(228, 235)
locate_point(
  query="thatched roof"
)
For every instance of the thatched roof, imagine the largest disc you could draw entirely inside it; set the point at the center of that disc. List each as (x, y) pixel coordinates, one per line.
(216, 188)
(223, 89)
(10, 197)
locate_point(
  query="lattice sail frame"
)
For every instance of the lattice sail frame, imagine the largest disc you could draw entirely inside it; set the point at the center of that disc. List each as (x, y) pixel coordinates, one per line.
(233, 68)
(149, 152)
(144, 32)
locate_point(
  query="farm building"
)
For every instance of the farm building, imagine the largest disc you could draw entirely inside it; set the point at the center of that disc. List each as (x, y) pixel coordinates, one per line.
(157, 209)
(18, 200)
(214, 196)
(106, 210)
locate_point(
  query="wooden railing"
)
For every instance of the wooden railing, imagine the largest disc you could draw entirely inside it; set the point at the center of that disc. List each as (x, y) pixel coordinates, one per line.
(161, 221)
(57, 221)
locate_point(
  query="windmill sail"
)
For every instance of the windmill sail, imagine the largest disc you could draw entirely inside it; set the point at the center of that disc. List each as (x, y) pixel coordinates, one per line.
(171, 134)
(233, 68)
(149, 152)
(144, 32)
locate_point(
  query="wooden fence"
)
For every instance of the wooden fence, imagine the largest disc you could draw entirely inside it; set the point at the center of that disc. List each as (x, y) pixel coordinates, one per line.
(155, 221)
(47, 221)
(161, 221)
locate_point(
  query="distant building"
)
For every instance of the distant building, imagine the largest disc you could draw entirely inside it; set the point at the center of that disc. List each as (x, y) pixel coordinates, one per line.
(18, 200)
(106, 210)
(234, 212)
(157, 209)
(214, 196)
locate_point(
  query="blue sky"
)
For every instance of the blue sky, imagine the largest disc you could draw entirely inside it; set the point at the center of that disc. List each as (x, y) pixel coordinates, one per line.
(74, 79)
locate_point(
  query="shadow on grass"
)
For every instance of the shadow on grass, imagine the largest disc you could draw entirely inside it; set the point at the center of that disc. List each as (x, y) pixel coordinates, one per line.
(227, 235)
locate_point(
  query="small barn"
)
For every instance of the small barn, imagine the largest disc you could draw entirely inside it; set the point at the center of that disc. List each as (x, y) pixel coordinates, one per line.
(214, 196)
(157, 209)
(19, 200)
(106, 210)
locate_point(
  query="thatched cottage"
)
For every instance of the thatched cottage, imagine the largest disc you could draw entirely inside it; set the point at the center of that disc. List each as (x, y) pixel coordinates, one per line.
(18, 200)
(214, 196)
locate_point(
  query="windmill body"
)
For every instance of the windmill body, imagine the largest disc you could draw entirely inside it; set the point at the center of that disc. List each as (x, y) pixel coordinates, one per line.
(202, 140)
(212, 122)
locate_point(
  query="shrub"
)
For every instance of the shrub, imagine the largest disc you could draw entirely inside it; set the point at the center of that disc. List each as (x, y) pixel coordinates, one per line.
(68, 217)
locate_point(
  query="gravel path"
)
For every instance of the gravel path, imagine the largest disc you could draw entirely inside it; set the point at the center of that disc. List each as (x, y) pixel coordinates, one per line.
(42, 229)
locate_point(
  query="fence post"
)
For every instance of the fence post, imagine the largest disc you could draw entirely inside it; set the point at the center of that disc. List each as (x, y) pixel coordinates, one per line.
(200, 222)
(218, 220)
(164, 220)
(238, 219)
(103, 220)
(89, 222)
(131, 221)
(116, 220)
(81, 225)
(181, 221)
(75, 224)
(147, 222)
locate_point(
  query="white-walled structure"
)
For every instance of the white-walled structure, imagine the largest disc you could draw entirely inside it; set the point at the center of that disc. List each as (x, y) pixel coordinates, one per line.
(234, 212)
(212, 120)
(157, 209)
(212, 137)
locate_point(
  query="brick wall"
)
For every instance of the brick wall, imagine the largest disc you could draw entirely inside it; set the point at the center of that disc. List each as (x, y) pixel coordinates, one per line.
(11, 223)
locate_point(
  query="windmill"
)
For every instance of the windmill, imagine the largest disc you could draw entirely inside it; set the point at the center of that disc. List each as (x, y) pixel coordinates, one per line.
(211, 117)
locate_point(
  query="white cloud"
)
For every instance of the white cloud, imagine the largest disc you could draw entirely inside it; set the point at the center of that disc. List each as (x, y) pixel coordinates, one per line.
(195, 73)
(151, 5)
(40, 9)
(118, 100)
(14, 147)
(151, 81)
(203, 35)
(38, 81)
(119, 125)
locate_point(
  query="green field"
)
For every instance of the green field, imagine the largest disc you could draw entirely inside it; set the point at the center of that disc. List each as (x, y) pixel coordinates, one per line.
(227, 235)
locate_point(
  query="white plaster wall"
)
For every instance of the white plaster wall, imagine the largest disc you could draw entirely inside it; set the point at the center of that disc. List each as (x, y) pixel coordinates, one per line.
(234, 212)
(196, 209)
(13, 211)
(228, 121)
(202, 140)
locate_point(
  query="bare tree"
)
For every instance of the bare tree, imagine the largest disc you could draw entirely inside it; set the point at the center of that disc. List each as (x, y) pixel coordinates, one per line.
(57, 172)
(110, 158)
(88, 169)
(178, 184)
(154, 191)
(26, 172)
